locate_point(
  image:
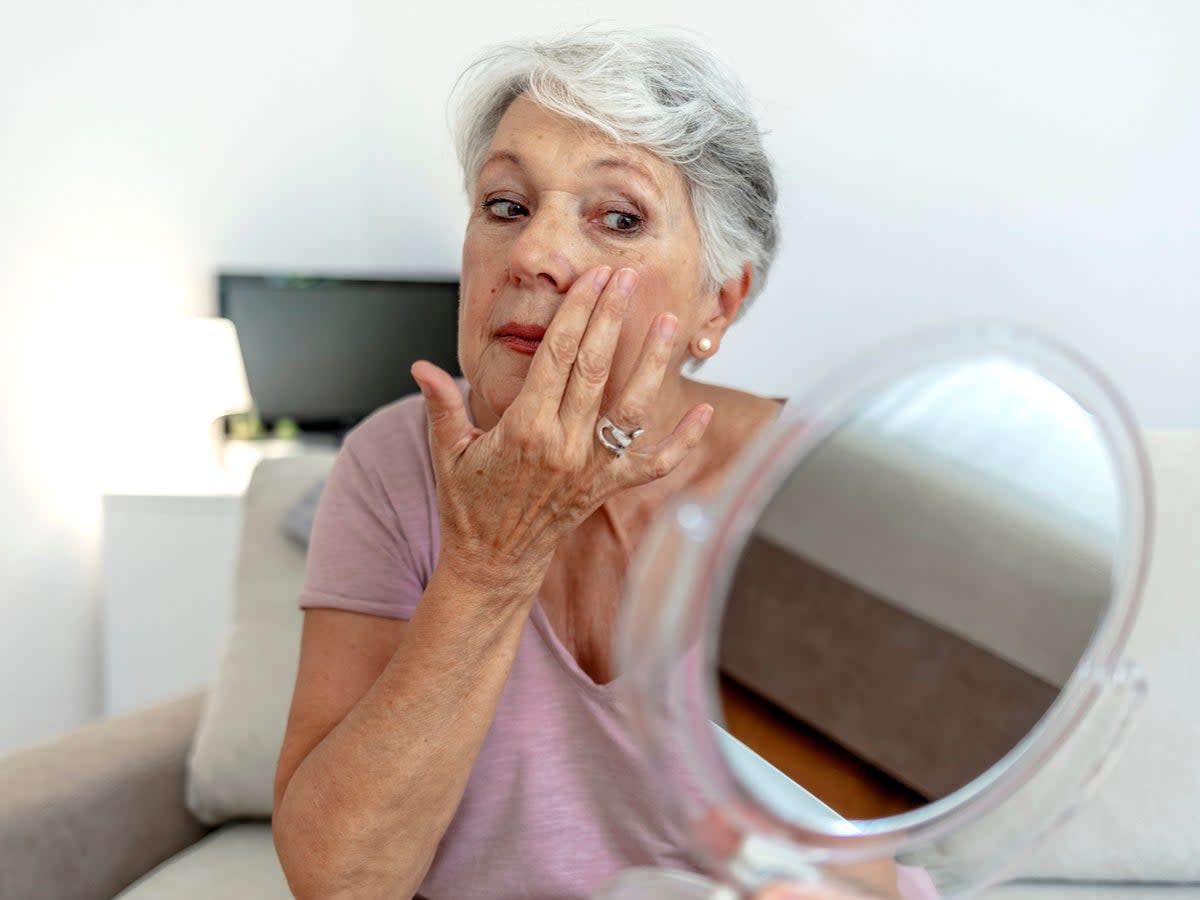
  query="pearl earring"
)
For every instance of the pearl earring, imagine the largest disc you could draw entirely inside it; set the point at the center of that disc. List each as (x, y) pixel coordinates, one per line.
(704, 345)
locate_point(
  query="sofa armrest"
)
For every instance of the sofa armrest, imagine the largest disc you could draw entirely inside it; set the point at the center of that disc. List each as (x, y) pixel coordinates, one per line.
(86, 814)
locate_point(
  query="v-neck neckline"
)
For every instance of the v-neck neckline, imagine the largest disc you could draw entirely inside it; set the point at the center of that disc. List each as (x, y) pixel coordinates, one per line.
(567, 660)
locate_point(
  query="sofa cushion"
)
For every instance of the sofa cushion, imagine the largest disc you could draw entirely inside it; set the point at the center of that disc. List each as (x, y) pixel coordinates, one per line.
(1141, 825)
(236, 862)
(231, 767)
(298, 521)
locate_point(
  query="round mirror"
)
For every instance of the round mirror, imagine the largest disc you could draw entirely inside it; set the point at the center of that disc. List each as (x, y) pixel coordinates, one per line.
(919, 590)
(904, 603)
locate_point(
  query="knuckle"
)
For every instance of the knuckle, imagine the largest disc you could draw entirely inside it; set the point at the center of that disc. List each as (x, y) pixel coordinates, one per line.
(517, 418)
(568, 462)
(592, 367)
(661, 466)
(563, 348)
(630, 414)
(579, 455)
(525, 439)
(613, 311)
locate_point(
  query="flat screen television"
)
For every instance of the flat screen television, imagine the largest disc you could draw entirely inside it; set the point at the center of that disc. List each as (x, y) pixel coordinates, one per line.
(327, 351)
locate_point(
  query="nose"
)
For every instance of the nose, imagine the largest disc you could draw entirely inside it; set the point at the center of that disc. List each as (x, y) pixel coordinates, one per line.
(548, 251)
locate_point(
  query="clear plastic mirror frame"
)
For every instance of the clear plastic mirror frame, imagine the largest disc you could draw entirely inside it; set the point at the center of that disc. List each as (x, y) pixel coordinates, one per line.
(675, 595)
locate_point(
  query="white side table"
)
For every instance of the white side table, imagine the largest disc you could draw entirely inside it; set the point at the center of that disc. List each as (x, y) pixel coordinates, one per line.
(168, 563)
(167, 585)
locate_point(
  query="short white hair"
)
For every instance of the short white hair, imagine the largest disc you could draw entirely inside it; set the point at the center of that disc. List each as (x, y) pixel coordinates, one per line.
(652, 88)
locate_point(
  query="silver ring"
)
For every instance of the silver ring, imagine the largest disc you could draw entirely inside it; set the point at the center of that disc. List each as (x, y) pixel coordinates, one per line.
(620, 438)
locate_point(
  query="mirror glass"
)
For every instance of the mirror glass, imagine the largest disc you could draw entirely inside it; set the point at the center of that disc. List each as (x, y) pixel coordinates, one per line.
(917, 593)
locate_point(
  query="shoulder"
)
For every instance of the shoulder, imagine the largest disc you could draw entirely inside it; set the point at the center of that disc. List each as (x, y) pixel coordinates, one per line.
(375, 534)
(739, 417)
(738, 413)
(386, 459)
(395, 436)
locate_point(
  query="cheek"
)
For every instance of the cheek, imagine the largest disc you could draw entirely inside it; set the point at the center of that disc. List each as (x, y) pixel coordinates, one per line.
(480, 285)
(658, 291)
(644, 306)
(486, 244)
(483, 274)
(474, 324)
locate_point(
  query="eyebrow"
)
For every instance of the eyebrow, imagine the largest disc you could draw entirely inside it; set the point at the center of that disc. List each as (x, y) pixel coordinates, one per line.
(608, 162)
(503, 156)
(615, 162)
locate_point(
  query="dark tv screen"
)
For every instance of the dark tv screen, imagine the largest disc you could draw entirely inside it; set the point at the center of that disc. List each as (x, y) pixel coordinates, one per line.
(327, 351)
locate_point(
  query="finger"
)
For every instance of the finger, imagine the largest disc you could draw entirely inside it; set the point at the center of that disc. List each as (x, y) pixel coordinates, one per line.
(551, 365)
(585, 388)
(661, 459)
(633, 405)
(450, 429)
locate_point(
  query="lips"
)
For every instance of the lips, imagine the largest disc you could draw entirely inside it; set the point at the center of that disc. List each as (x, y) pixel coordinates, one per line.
(522, 331)
(521, 337)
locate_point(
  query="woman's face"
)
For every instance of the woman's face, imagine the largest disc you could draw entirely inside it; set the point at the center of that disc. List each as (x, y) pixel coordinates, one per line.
(553, 200)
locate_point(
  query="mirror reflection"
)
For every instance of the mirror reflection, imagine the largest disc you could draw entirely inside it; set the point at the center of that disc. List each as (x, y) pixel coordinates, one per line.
(918, 592)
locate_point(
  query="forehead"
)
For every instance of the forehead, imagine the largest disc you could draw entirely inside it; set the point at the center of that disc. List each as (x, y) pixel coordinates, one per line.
(534, 138)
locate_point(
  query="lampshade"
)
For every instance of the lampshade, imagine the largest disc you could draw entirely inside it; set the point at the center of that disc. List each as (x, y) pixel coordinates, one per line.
(180, 375)
(195, 365)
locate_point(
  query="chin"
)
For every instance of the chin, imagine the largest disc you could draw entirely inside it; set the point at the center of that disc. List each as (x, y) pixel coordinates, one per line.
(496, 393)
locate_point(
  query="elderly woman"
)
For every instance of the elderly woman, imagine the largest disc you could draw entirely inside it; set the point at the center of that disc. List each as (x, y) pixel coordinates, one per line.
(454, 730)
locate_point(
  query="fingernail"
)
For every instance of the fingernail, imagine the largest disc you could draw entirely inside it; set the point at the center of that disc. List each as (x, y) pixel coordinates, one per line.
(706, 416)
(601, 278)
(626, 279)
(666, 326)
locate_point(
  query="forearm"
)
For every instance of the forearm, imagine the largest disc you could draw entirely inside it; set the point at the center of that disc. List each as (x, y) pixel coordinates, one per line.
(365, 810)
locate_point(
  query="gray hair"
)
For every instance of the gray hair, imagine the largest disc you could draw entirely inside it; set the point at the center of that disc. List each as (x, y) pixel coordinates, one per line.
(650, 88)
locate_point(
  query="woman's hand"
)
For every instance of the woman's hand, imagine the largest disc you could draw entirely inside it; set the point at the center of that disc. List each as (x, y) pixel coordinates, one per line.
(508, 496)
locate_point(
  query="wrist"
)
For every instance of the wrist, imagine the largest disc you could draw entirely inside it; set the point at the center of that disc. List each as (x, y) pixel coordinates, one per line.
(474, 574)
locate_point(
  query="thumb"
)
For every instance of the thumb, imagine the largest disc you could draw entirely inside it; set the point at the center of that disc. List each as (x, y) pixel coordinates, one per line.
(450, 429)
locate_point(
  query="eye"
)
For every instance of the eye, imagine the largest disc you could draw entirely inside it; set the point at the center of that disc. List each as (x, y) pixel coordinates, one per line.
(620, 220)
(503, 208)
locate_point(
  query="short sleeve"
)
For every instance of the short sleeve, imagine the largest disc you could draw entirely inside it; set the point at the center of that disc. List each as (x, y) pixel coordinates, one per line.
(359, 558)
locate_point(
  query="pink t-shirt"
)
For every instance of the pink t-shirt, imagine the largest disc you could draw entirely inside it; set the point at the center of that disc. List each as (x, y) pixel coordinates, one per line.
(557, 801)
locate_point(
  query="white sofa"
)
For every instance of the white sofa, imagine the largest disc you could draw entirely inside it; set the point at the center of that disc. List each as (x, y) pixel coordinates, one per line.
(173, 801)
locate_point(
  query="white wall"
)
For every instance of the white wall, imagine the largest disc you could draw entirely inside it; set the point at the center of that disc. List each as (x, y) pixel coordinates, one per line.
(141, 146)
(937, 160)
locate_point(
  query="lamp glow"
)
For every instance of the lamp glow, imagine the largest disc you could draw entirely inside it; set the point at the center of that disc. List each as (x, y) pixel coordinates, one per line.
(183, 374)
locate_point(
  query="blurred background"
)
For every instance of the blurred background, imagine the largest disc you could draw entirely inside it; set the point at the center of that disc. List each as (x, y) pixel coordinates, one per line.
(936, 161)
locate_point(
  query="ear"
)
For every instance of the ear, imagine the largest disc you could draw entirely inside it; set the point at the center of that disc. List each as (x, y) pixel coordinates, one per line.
(731, 294)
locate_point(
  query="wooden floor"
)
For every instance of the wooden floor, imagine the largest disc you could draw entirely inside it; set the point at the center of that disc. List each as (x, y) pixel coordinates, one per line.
(854, 788)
